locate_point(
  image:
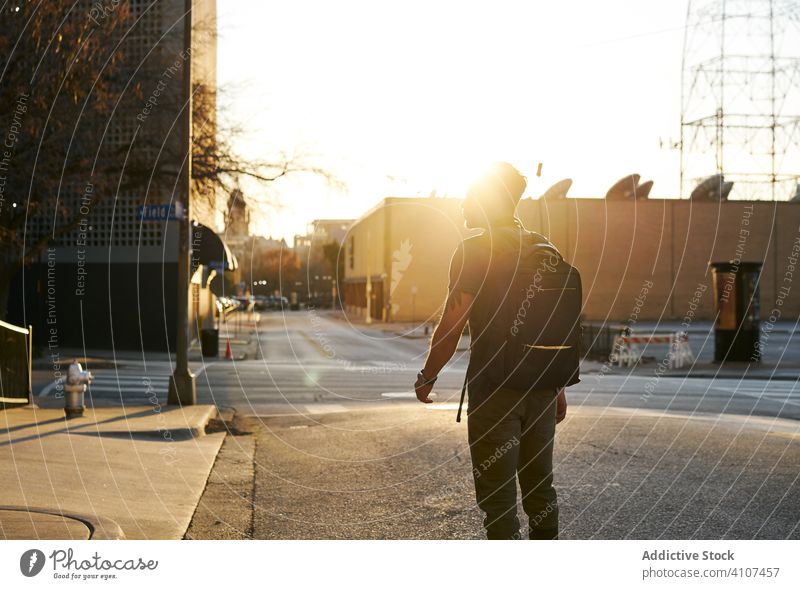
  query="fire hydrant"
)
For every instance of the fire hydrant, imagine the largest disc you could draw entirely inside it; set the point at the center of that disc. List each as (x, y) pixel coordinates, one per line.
(77, 379)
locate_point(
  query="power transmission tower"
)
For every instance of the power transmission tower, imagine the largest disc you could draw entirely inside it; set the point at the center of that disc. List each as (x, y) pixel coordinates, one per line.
(740, 94)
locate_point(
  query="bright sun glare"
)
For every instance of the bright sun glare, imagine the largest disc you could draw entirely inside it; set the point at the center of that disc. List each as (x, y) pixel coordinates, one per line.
(400, 99)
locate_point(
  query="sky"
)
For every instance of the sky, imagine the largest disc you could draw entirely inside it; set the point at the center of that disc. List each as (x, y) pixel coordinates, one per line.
(402, 98)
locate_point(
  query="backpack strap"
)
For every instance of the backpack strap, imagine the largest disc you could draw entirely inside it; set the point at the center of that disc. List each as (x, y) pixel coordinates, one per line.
(536, 248)
(461, 402)
(535, 242)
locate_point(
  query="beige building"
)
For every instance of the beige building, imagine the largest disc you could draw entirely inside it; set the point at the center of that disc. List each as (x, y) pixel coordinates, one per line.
(645, 259)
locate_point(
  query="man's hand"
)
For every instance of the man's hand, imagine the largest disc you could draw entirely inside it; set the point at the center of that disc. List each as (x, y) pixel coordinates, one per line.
(561, 405)
(423, 390)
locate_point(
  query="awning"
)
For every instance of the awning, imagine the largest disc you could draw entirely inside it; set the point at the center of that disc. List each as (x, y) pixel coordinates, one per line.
(209, 249)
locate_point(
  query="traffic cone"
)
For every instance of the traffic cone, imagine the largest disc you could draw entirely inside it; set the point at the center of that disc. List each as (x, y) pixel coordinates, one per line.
(228, 351)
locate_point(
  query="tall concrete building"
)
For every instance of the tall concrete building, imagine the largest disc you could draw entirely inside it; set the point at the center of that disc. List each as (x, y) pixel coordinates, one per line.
(113, 280)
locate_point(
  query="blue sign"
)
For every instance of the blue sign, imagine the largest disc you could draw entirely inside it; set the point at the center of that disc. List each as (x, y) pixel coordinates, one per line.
(155, 213)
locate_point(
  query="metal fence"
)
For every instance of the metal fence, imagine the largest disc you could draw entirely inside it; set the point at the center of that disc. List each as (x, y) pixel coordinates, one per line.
(15, 364)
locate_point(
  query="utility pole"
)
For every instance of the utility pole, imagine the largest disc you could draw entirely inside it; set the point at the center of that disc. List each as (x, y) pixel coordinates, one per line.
(413, 306)
(182, 387)
(368, 286)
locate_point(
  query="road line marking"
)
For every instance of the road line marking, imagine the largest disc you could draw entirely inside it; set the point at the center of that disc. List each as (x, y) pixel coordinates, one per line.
(442, 406)
(761, 392)
(126, 390)
(316, 345)
(325, 408)
(786, 394)
(404, 395)
(202, 368)
(763, 398)
(49, 388)
(126, 380)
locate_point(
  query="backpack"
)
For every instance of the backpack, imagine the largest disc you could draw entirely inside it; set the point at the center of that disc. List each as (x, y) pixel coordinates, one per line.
(531, 334)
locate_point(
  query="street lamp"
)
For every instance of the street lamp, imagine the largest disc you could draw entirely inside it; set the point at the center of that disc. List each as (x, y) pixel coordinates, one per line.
(182, 387)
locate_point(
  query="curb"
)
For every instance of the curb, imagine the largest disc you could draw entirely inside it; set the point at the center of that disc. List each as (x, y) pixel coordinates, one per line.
(100, 528)
(750, 376)
(185, 429)
(195, 430)
(711, 375)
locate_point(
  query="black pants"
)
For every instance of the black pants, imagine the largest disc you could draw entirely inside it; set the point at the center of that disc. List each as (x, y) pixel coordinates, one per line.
(511, 436)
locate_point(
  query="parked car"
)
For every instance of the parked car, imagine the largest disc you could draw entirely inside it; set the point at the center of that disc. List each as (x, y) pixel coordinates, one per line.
(245, 303)
(226, 305)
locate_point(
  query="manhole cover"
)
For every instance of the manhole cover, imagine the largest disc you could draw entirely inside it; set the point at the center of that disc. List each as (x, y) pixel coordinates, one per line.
(28, 525)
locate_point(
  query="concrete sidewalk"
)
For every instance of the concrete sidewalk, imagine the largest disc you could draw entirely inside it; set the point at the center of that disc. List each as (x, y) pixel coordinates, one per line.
(117, 472)
(730, 370)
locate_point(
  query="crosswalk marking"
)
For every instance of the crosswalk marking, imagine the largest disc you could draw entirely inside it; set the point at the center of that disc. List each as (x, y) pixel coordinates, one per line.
(114, 378)
(143, 385)
(442, 406)
(404, 395)
(281, 388)
(126, 382)
(50, 387)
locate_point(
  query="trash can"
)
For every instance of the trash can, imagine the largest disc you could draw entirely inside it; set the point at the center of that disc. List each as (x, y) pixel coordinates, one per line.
(209, 343)
(737, 330)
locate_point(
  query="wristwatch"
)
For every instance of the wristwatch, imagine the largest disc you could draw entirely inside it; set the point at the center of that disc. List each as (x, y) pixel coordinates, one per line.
(423, 380)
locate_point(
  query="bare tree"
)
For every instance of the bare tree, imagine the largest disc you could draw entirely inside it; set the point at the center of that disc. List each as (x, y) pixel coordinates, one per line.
(217, 167)
(77, 126)
(57, 85)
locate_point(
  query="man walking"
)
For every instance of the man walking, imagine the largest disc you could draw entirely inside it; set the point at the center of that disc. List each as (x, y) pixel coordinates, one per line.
(510, 432)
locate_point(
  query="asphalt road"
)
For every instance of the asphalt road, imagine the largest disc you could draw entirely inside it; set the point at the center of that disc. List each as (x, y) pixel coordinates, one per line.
(336, 445)
(404, 472)
(338, 448)
(313, 363)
